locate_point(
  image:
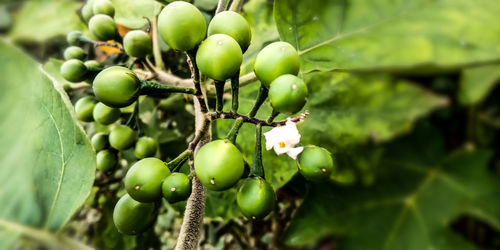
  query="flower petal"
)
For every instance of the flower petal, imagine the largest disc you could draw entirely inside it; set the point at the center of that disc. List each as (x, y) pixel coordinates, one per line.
(294, 152)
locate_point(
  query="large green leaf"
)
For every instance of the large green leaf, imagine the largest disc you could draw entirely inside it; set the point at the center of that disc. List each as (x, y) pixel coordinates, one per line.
(351, 109)
(41, 20)
(389, 35)
(47, 161)
(132, 13)
(420, 191)
(476, 83)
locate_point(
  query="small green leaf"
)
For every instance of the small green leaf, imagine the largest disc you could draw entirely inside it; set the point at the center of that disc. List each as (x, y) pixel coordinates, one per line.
(389, 35)
(37, 22)
(131, 13)
(47, 161)
(476, 83)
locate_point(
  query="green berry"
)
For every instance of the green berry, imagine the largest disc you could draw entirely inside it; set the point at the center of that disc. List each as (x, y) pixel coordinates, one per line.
(84, 108)
(255, 198)
(315, 163)
(73, 70)
(73, 37)
(104, 7)
(276, 59)
(100, 141)
(105, 115)
(144, 179)
(93, 65)
(74, 52)
(145, 147)
(122, 137)
(137, 43)
(116, 86)
(106, 160)
(176, 187)
(88, 10)
(181, 25)
(288, 94)
(219, 165)
(103, 27)
(219, 57)
(233, 25)
(132, 217)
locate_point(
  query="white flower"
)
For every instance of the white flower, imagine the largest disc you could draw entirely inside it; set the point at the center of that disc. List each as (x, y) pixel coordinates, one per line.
(283, 140)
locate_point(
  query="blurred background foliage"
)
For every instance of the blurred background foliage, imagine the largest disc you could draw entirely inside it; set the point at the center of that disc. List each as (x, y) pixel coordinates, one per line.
(403, 93)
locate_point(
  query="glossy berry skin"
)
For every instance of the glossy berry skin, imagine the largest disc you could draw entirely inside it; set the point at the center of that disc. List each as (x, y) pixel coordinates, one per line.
(181, 25)
(74, 52)
(104, 7)
(233, 25)
(132, 217)
(288, 94)
(219, 165)
(84, 108)
(145, 147)
(219, 57)
(100, 141)
(106, 160)
(73, 70)
(73, 37)
(276, 59)
(122, 137)
(105, 115)
(315, 163)
(137, 43)
(103, 27)
(144, 179)
(116, 86)
(255, 198)
(176, 187)
(93, 65)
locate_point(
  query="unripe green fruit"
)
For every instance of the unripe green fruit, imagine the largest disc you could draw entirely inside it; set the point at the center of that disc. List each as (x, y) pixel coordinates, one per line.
(74, 52)
(103, 27)
(106, 160)
(137, 43)
(105, 115)
(73, 70)
(255, 198)
(84, 108)
(315, 163)
(122, 137)
(100, 141)
(144, 179)
(276, 59)
(219, 57)
(218, 165)
(116, 86)
(288, 94)
(104, 7)
(73, 37)
(181, 25)
(145, 147)
(93, 65)
(176, 187)
(132, 217)
(233, 25)
(88, 11)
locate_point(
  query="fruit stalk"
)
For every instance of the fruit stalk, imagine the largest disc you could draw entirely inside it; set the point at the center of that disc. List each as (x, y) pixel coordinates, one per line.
(261, 97)
(235, 85)
(156, 44)
(219, 91)
(233, 133)
(272, 116)
(156, 89)
(174, 164)
(221, 6)
(257, 170)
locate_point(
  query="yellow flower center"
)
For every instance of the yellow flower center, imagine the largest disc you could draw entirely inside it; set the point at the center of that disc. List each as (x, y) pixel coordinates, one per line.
(282, 144)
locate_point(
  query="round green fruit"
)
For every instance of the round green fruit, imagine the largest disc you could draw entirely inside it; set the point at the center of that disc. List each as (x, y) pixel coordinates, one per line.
(116, 86)
(103, 27)
(132, 217)
(315, 163)
(181, 25)
(288, 94)
(255, 198)
(74, 52)
(88, 10)
(276, 59)
(104, 7)
(122, 137)
(73, 70)
(93, 65)
(137, 43)
(73, 37)
(100, 141)
(105, 115)
(233, 25)
(144, 179)
(176, 187)
(219, 165)
(219, 57)
(106, 160)
(145, 147)
(84, 108)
